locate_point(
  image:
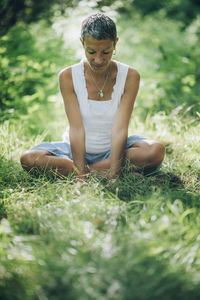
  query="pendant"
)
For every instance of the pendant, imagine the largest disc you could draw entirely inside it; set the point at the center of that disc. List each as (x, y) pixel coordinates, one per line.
(101, 94)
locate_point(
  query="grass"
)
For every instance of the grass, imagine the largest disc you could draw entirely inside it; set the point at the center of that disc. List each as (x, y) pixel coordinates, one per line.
(136, 239)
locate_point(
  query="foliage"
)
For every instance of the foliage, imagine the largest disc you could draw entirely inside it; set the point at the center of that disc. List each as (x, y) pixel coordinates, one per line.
(12, 12)
(182, 10)
(31, 58)
(167, 59)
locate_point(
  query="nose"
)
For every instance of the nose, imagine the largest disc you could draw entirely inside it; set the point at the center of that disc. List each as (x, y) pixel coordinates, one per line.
(98, 59)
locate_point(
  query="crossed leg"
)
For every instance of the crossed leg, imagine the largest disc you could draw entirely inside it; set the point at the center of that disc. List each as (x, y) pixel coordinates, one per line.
(146, 154)
(44, 160)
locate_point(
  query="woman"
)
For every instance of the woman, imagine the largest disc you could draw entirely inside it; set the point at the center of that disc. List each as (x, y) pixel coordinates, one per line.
(99, 95)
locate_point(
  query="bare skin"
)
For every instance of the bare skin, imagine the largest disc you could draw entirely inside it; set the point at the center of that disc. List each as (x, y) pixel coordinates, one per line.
(148, 154)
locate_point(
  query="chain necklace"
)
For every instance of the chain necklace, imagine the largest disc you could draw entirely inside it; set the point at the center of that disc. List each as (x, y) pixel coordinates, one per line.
(100, 91)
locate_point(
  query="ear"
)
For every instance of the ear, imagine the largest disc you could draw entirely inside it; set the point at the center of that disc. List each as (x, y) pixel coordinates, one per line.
(117, 39)
(81, 41)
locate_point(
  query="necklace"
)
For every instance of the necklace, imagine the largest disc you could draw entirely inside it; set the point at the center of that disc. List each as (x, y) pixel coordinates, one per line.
(100, 91)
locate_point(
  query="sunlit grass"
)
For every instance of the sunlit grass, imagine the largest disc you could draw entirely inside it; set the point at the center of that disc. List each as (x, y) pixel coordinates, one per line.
(102, 241)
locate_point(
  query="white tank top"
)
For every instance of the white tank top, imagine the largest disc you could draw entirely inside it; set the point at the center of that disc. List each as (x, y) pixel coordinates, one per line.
(97, 116)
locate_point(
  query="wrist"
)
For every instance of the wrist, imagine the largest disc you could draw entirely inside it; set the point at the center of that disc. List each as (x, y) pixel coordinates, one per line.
(113, 174)
(114, 170)
(81, 172)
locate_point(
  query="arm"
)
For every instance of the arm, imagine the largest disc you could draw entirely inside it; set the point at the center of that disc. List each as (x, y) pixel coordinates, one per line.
(119, 132)
(77, 131)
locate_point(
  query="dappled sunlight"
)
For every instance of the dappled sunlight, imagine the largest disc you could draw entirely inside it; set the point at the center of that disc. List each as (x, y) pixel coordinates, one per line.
(69, 30)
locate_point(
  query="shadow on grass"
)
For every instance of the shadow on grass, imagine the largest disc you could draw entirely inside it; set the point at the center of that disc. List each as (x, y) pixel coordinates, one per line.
(165, 184)
(129, 187)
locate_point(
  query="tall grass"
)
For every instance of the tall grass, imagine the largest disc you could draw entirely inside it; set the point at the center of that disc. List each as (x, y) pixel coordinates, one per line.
(135, 239)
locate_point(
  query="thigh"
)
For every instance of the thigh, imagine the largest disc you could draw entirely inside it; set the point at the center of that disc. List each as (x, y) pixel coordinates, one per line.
(102, 161)
(144, 148)
(101, 165)
(144, 144)
(134, 139)
(148, 153)
(61, 149)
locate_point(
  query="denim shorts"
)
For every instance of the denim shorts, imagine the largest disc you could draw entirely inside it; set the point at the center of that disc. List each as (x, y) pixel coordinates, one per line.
(63, 149)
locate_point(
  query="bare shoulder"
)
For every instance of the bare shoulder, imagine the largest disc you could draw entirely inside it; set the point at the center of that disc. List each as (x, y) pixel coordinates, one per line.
(65, 76)
(132, 81)
(133, 74)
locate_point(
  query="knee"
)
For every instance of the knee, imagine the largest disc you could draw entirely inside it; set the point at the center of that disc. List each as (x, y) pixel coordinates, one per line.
(27, 160)
(156, 154)
(30, 159)
(34, 159)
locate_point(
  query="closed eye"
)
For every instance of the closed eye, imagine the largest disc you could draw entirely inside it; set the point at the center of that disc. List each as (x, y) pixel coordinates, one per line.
(94, 52)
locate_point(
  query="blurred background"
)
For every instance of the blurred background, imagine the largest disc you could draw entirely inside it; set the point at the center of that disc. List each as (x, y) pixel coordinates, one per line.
(161, 39)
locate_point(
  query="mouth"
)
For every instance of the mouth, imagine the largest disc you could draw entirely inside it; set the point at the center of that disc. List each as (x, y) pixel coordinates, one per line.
(98, 66)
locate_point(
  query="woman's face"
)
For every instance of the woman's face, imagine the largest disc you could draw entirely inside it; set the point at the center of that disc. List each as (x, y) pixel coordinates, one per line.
(98, 53)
